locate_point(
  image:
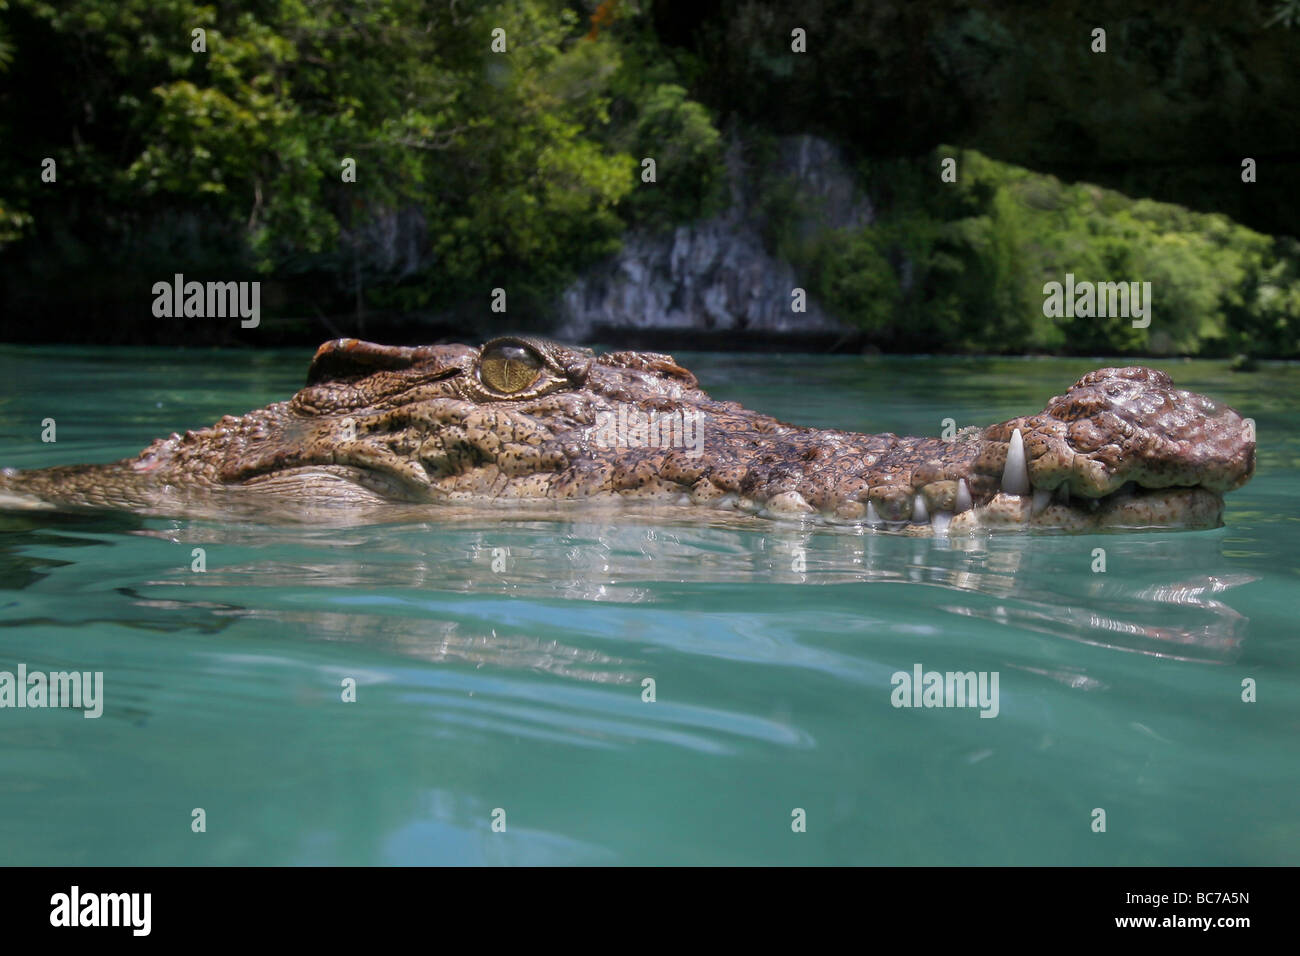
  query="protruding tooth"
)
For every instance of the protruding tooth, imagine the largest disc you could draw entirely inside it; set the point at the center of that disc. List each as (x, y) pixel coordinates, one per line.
(1064, 491)
(963, 496)
(940, 523)
(873, 519)
(1015, 479)
(1042, 498)
(919, 514)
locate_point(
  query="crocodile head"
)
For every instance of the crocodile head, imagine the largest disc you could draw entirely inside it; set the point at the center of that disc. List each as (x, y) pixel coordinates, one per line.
(522, 419)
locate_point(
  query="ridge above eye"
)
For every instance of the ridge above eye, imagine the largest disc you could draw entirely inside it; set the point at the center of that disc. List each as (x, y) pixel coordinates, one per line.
(509, 367)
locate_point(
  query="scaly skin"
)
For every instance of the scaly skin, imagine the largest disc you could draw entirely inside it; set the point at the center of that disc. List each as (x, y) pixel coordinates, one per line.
(379, 424)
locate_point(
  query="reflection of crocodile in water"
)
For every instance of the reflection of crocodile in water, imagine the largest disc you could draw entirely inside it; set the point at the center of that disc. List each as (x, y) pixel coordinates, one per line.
(526, 420)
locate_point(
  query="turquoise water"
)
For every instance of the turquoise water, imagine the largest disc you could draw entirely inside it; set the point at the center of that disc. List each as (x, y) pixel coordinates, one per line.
(520, 688)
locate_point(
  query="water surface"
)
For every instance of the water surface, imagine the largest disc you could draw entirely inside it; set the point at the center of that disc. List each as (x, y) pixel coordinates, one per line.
(500, 665)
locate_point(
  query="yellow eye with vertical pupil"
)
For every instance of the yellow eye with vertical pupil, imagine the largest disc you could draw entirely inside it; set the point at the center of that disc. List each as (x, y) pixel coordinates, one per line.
(509, 368)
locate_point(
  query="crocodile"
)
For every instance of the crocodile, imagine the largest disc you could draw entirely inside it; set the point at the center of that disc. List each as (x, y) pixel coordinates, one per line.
(522, 420)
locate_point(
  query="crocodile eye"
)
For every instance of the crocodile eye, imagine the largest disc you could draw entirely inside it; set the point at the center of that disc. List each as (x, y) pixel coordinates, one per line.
(509, 368)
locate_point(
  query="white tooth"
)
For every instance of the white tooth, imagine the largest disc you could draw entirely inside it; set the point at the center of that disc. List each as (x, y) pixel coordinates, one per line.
(1042, 498)
(963, 496)
(940, 523)
(919, 514)
(1015, 479)
(873, 519)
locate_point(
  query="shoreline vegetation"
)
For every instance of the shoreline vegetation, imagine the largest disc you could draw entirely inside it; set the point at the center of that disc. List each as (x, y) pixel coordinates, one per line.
(381, 169)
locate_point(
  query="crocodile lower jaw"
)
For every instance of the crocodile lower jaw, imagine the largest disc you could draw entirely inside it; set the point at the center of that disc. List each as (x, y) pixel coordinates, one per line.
(1146, 509)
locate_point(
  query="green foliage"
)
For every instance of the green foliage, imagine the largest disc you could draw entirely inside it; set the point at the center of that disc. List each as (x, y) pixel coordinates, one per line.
(687, 149)
(523, 167)
(6, 47)
(861, 280)
(522, 163)
(1263, 313)
(1286, 13)
(962, 266)
(12, 221)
